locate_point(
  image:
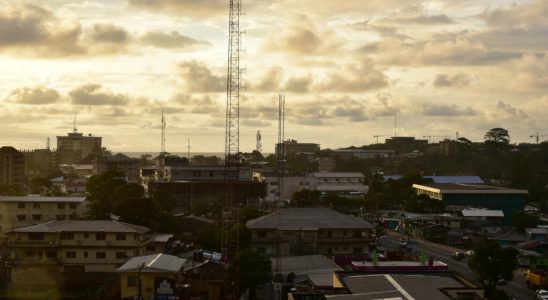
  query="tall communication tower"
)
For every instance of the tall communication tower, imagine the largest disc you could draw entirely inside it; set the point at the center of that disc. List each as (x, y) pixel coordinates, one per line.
(74, 130)
(163, 142)
(259, 146)
(232, 137)
(280, 145)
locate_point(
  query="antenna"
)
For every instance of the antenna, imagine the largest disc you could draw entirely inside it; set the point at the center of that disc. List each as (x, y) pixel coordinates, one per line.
(188, 150)
(47, 143)
(281, 146)
(163, 141)
(395, 124)
(259, 146)
(74, 130)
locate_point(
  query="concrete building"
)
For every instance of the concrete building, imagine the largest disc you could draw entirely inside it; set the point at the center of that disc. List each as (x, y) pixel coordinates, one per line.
(118, 163)
(404, 143)
(20, 211)
(302, 231)
(161, 276)
(76, 245)
(38, 162)
(292, 147)
(74, 147)
(12, 166)
(472, 195)
(206, 173)
(344, 184)
(364, 154)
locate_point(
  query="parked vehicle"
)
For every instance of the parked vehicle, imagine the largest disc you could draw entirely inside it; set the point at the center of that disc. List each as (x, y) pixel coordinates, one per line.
(541, 295)
(536, 279)
(458, 255)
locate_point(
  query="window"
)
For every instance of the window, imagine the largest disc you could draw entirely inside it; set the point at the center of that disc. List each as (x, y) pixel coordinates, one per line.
(100, 255)
(329, 250)
(121, 255)
(85, 254)
(329, 233)
(100, 236)
(86, 235)
(36, 205)
(21, 205)
(357, 250)
(30, 253)
(344, 232)
(261, 233)
(357, 234)
(70, 254)
(36, 236)
(73, 206)
(60, 205)
(261, 250)
(61, 217)
(67, 235)
(132, 281)
(51, 254)
(36, 217)
(21, 217)
(120, 236)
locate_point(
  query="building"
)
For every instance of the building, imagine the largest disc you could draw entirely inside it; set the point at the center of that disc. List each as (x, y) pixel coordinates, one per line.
(118, 163)
(404, 143)
(20, 211)
(364, 154)
(74, 147)
(461, 196)
(207, 173)
(38, 162)
(12, 166)
(76, 245)
(303, 231)
(343, 184)
(161, 277)
(292, 147)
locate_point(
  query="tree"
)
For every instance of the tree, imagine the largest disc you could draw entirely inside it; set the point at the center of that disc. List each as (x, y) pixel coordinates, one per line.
(524, 220)
(251, 269)
(305, 198)
(490, 262)
(497, 135)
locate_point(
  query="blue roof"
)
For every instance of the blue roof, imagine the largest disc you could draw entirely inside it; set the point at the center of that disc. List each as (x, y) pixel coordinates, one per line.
(446, 179)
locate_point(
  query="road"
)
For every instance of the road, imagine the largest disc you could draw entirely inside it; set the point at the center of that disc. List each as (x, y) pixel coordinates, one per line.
(516, 287)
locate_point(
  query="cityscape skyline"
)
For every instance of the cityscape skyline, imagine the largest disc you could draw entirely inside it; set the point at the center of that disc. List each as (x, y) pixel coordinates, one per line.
(346, 68)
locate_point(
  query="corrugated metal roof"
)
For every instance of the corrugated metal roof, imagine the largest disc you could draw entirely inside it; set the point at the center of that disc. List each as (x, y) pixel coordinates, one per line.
(482, 213)
(163, 263)
(84, 226)
(41, 199)
(307, 219)
(338, 174)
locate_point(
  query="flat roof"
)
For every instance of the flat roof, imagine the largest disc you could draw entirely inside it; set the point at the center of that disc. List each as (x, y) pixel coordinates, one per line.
(459, 188)
(41, 199)
(155, 263)
(84, 226)
(304, 264)
(310, 218)
(338, 174)
(398, 286)
(482, 213)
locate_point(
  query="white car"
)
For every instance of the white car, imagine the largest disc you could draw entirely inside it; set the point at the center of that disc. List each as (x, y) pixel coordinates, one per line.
(469, 253)
(542, 294)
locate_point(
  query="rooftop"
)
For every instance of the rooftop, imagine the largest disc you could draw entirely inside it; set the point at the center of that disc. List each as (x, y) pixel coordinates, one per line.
(338, 174)
(160, 263)
(458, 188)
(312, 218)
(318, 269)
(42, 199)
(84, 226)
(482, 213)
(445, 179)
(8, 150)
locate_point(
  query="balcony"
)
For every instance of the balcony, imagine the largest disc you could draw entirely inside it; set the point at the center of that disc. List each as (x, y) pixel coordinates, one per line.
(31, 243)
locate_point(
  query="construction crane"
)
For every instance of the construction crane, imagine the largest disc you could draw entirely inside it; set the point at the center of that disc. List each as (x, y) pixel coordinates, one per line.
(378, 136)
(538, 137)
(429, 137)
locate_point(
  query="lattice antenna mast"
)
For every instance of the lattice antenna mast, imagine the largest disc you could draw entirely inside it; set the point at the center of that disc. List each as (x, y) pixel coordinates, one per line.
(259, 146)
(232, 137)
(163, 147)
(74, 124)
(281, 148)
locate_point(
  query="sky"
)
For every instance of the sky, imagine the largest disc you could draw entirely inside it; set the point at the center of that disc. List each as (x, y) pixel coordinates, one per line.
(347, 68)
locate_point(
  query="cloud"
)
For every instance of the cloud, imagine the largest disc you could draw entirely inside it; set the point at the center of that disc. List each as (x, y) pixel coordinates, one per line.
(446, 110)
(530, 72)
(196, 8)
(109, 33)
(91, 94)
(173, 40)
(38, 95)
(299, 84)
(303, 37)
(198, 78)
(270, 82)
(455, 80)
(510, 110)
(202, 105)
(355, 77)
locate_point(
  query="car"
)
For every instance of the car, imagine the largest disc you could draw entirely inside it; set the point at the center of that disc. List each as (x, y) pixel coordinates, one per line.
(458, 255)
(541, 294)
(469, 253)
(501, 281)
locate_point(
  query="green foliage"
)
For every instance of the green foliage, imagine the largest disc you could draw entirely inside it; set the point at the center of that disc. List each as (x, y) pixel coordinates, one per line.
(523, 220)
(491, 262)
(305, 198)
(12, 190)
(209, 205)
(251, 269)
(39, 184)
(424, 204)
(497, 135)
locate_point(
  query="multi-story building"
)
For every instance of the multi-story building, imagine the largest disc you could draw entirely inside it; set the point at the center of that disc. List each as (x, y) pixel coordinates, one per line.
(19, 211)
(292, 147)
(118, 163)
(364, 154)
(203, 173)
(12, 166)
(74, 147)
(77, 245)
(302, 231)
(38, 162)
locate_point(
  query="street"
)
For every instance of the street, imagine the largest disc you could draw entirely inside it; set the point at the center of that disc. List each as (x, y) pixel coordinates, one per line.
(516, 287)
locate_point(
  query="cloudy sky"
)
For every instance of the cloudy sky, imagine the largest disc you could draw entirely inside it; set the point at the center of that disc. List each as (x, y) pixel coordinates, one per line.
(346, 67)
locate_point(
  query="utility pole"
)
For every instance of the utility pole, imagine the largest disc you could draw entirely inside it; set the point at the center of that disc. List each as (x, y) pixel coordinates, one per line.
(538, 136)
(74, 130)
(395, 124)
(188, 150)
